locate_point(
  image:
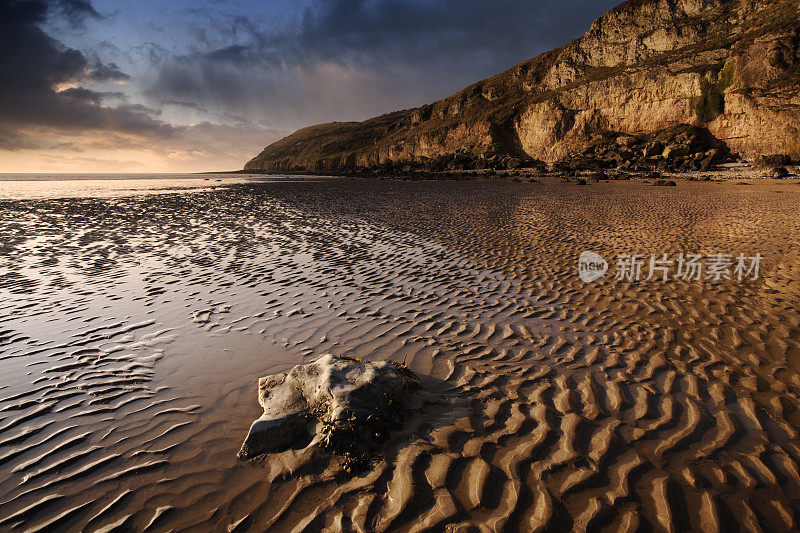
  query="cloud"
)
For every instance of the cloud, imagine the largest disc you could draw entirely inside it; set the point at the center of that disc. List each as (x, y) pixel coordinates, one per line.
(351, 59)
(109, 72)
(89, 95)
(48, 102)
(40, 65)
(75, 12)
(89, 161)
(11, 140)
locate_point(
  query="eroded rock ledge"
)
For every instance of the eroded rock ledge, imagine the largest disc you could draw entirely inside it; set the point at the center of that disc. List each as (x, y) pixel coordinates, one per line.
(343, 404)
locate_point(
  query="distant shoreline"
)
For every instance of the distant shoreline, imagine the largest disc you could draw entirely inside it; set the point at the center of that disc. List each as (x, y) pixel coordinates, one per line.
(729, 171)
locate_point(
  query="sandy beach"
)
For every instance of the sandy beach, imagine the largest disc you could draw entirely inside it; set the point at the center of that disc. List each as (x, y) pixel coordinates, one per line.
(134, 329)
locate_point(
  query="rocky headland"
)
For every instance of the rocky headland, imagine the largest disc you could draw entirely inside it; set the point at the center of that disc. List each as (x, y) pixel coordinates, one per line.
(669, 85)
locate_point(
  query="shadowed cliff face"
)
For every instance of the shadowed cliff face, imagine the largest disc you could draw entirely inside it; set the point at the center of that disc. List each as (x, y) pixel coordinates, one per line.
(731, 66)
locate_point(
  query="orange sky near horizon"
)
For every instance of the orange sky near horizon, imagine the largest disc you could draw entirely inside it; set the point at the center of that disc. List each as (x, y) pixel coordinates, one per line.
(202, 148)
(109, 162)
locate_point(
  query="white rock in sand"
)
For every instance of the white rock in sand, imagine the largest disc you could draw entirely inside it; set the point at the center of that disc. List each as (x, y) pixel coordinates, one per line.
(350, 405)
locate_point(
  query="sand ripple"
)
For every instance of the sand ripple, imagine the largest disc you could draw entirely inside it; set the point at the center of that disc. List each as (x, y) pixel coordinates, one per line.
(134, 328)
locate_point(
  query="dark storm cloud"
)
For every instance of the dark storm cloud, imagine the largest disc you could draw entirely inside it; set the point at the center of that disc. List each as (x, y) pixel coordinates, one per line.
(33, 65)
(75, 12)
(348, 59)
(231, 54)
(186, 105)
(88, 95)
(495, 33)
(109, 72)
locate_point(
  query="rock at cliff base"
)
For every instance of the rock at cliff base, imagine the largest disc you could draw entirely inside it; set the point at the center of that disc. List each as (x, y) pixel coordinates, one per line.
(674, 151)
(679, 148)
(349, 406)
(774, 160)
(780, 173)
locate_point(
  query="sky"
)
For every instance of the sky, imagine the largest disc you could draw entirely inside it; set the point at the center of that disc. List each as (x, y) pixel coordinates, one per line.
(98, 86)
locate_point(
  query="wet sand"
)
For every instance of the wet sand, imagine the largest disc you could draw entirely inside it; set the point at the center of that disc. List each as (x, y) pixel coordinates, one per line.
(133, 330)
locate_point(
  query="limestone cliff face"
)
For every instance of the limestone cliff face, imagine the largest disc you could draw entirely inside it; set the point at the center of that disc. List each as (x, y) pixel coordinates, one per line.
(732, 66)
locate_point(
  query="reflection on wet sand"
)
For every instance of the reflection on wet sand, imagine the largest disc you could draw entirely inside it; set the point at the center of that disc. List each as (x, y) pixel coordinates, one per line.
(134, 330)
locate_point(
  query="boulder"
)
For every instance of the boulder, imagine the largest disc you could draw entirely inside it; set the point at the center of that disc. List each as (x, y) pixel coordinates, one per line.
(679, 148)
(707, 163)
(626, 140)
(654, 149)
(346, 405)
(780, 173)
(674, 151)
(774, 160)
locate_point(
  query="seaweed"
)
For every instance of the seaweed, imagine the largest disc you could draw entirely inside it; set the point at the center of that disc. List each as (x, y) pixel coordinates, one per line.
(711, 102)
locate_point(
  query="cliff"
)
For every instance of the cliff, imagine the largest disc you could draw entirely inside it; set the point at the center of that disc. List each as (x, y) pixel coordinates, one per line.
(730, 68)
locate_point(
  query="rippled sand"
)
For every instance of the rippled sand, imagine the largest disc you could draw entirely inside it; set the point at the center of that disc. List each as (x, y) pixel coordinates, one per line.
(133, 330)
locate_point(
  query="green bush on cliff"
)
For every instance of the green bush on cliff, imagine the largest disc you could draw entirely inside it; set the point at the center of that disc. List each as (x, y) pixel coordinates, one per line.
(711, 102)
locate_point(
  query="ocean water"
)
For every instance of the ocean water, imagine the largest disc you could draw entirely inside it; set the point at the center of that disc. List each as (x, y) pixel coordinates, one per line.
(22, 186)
